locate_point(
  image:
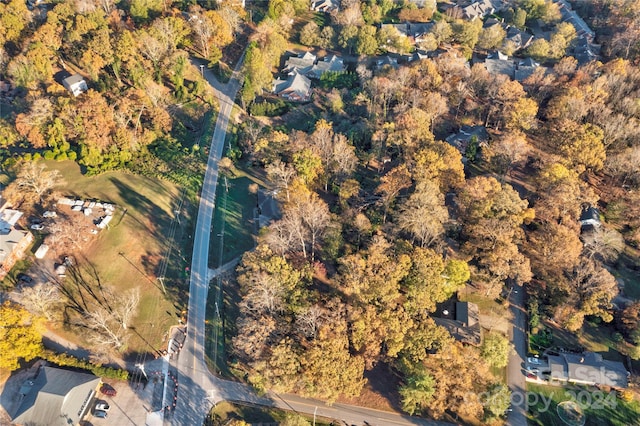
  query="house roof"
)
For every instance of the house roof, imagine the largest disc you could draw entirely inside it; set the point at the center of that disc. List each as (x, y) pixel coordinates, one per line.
(9, 241)
(330, 63)
(466, 326)
(73, 79)
(588, 367)
(463, 137)
(590, 214)
(301, 63)
(500, 66)
(57, 398)
(296, 86)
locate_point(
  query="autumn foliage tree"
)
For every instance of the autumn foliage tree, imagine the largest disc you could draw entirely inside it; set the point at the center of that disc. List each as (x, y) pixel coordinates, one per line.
(20, 336)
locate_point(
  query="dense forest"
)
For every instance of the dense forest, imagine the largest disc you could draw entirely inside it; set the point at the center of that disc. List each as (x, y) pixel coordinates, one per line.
(382, 220)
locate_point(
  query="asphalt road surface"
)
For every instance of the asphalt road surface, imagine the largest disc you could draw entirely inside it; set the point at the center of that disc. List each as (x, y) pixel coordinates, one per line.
(515, 375)
(197, 392)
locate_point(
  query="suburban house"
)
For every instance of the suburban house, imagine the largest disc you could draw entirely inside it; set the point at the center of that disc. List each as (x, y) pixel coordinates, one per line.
(465, 136)
(499, 63)
(478, 9)
(466, 326)
(13, 242)
(75, 84)
(386, 61)
(331, 63)
(525, 68)
(296, 87)
(585, 51)
(325, 5)
(570, 15)
(520, 39)
(590, 218)
(301, 64)
(56, 397)
(587, 368)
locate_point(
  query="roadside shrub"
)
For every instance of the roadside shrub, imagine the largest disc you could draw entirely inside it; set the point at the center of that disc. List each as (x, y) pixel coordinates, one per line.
(269, 108)
(65, 360)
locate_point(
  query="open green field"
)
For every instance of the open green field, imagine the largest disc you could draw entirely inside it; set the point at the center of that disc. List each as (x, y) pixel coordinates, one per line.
(600, 407)
(225, 412)
(130, 252)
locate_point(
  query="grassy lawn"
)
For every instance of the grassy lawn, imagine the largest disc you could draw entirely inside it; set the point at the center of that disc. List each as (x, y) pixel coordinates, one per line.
(592, 337)
(224, 412)
(485, 304)
(599, 407)
(235, 209)
(130, 252)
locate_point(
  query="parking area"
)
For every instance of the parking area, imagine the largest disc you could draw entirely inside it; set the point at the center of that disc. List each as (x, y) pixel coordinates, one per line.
(133, 402)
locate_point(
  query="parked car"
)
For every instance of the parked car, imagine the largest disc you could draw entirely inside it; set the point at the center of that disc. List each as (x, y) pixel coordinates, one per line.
(49, 213)
(533, 360)
(24, 278)
(108, 390)
(101, 405)
(531, 376)
(37, 227)
(100, 414)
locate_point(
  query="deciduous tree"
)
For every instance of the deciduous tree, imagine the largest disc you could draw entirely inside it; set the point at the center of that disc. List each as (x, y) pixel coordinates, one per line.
(20, 338)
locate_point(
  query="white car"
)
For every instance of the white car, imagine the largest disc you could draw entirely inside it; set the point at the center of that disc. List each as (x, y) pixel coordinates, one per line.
(532, 360)
(49, 213)
(102, 406)
(37, 227)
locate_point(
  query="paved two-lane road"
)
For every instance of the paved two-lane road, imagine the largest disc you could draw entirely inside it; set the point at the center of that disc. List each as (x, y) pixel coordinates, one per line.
(197, 390)
(515, 376)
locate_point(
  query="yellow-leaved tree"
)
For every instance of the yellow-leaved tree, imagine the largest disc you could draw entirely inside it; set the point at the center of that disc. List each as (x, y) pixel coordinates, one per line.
(20, 337)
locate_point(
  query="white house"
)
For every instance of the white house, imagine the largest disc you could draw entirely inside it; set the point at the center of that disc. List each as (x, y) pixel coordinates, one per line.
(75, 84)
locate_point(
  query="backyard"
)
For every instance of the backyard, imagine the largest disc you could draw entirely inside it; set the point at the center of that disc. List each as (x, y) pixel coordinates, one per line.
(131, 251)
(600, 407)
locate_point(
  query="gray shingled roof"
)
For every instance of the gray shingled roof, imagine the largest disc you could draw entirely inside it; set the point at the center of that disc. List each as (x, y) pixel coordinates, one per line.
(57, 398)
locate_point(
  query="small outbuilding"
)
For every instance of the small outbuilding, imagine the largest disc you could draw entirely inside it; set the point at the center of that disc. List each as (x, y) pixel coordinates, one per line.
(75, 84)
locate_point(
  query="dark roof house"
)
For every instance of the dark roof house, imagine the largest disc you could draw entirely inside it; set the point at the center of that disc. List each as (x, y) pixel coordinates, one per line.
(587, 368)
(466, 134)
(525, 68)
(56, 398)
(520, 39)
(590, 217)
(466, 326)
(570, 15)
